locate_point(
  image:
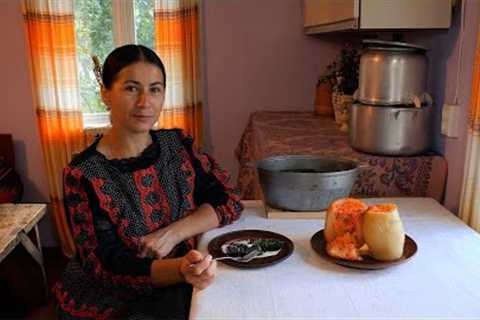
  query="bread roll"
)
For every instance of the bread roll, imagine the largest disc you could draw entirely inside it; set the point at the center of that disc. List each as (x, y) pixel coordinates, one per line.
(345, 215)
(383, 232)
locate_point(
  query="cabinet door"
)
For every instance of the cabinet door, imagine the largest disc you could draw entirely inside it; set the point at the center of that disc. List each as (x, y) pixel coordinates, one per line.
(405, 14)
(330, 15)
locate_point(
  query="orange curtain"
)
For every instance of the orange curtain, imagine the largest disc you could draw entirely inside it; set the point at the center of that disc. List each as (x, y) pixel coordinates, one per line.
(50, 31)
(470, 195)
(177, 43)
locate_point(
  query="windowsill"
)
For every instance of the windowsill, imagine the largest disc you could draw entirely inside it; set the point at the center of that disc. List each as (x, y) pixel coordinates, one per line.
(99, 123)
(95, 131)
(96, 123)
(96, 120)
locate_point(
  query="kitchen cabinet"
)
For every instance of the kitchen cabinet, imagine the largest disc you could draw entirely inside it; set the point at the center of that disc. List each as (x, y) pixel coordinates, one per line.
(356, 15)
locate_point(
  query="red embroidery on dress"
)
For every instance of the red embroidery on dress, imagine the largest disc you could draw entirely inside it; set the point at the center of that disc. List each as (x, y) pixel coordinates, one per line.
(105, 202)
(150, 208)
(139, 283)
(189, 172)
(210, 166)
(229, 212)
(68, 305)
(79, 212)
(83, 228)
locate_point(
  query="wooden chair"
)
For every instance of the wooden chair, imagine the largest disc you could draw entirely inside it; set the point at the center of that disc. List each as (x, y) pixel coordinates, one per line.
(11, 187)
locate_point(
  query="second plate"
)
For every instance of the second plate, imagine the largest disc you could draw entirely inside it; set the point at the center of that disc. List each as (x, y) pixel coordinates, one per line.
(319, 245)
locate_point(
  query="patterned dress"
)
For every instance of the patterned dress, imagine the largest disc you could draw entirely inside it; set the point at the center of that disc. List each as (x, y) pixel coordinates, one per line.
(110, 204)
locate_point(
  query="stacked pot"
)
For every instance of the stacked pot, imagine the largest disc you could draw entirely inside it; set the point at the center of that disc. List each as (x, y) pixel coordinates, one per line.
(392, 114)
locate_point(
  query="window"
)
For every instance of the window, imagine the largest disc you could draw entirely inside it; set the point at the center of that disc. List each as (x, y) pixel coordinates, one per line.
(100, 27)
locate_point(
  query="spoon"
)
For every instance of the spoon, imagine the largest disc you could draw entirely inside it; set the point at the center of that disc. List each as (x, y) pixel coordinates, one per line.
(246, 258)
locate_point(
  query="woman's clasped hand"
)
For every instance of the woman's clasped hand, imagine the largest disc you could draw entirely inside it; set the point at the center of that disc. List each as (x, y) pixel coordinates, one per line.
(158, 244)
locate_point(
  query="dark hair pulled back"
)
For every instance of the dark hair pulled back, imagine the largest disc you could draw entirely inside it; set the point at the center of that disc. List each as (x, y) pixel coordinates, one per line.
(126, 55)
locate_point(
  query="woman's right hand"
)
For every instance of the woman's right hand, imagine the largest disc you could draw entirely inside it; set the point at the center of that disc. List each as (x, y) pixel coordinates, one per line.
(198, 270)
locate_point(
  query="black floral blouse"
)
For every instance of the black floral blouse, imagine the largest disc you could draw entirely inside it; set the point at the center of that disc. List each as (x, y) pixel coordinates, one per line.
(110, 204)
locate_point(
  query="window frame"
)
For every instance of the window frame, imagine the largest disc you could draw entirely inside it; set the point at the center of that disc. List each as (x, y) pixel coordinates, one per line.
(123, 32)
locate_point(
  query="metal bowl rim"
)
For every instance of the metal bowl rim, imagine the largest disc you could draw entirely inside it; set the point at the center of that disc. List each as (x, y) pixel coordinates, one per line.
(354, 163)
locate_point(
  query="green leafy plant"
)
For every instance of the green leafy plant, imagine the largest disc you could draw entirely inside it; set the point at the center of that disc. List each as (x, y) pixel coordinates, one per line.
(329, 75)
(342, 73)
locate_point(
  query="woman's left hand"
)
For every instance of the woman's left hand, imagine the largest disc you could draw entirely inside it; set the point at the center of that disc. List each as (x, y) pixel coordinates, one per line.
(198, 270)
(160, 243)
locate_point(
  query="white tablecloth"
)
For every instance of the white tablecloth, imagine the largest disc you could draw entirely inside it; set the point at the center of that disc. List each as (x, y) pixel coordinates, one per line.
(442, 281)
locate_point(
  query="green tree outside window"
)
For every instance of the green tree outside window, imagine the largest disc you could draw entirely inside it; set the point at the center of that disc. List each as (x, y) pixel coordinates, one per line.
(93, 24)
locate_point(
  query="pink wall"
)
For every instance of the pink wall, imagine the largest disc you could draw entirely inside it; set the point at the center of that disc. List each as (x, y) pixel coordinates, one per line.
(455, 148)
(17, 115)
(443, 66)
(257, 58)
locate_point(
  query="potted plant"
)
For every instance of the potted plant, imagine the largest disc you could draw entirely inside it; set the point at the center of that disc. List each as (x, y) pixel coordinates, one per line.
(345, 82)
(323, 96)
(346, 70)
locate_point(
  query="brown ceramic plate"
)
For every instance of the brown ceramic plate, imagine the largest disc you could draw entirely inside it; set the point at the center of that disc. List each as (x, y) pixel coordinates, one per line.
(215, 247)
(319, 245)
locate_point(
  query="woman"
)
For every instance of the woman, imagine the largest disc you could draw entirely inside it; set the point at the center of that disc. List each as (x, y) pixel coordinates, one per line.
(135, 200)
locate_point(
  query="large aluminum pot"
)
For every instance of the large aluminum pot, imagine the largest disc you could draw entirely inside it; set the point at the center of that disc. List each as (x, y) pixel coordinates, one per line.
(390, 130)
(305, 183)
(391, 73)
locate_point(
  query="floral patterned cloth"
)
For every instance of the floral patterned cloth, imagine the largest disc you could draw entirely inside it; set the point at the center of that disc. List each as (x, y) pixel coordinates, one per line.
(304, 133)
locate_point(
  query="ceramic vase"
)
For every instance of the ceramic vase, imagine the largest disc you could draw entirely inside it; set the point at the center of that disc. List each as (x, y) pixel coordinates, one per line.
(323, 100)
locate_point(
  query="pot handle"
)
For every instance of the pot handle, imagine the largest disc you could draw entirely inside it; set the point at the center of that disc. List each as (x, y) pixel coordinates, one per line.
(417, 101)
(251, 163)
(355, 95)
(428, 99)
(363, 166)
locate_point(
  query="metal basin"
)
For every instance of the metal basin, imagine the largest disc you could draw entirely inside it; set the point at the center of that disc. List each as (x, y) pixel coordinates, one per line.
(305, 183)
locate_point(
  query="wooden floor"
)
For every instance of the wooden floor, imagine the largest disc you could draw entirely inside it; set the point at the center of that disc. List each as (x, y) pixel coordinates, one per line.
(22, 293)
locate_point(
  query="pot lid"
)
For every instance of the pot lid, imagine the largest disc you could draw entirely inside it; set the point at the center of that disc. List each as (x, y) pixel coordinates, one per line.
(393, 44)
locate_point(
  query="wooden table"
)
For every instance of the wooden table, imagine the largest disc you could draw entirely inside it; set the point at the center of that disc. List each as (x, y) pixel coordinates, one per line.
(303, 133)
(441, 281)
(16, 221)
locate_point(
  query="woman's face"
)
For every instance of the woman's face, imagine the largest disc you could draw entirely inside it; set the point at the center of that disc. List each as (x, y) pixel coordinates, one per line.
(136, 97)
